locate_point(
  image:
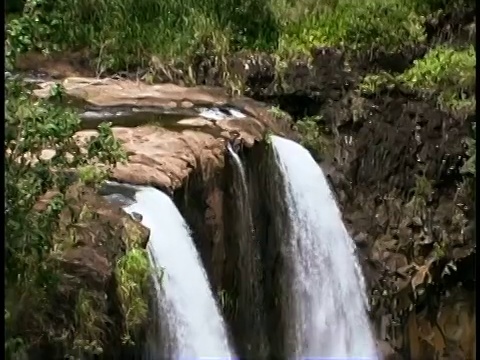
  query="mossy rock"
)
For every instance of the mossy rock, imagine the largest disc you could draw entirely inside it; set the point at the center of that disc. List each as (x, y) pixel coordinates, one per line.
(85, 311)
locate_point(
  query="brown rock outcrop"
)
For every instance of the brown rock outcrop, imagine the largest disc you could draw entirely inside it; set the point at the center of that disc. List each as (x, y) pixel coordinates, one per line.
(78, 314)
(173, 145)
(163, 149)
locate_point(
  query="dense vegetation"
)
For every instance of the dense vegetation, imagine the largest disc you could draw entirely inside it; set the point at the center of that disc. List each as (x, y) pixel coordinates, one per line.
(118, 35)
(122, 34)
(36, 236)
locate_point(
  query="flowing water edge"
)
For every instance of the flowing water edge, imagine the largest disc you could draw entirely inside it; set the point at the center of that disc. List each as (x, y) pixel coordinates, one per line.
(330, 311)
(185, 301)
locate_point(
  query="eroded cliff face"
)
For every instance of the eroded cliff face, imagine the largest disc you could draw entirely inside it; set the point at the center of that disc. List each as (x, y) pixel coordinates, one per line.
(405, 202)
(176, 140)
(394, 166)
(397, 170)
(245, 253)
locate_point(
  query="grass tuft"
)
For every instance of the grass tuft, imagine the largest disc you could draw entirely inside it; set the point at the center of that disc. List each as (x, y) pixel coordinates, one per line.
(132, 273)
(90, 322)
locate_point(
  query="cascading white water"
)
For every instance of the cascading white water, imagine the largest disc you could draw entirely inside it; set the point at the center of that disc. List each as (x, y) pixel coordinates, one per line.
(185, 301)
(244, 202)
(243, 255)
(329, 291)
(239, 165)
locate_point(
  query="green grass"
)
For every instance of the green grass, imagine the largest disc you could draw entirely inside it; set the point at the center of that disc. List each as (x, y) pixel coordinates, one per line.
(132, 273)
(90, 320)
(122, 34)
(125, 33)
(387, 24)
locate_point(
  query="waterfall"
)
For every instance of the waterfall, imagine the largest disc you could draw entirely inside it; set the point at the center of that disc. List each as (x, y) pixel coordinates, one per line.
(185, 304)
(330, 311)
(244, 200)
(244, 276)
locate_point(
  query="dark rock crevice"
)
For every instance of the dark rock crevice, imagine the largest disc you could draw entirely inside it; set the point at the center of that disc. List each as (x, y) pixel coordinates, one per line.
(396, 174)
(246, 260)
(272, 234)
(218, 217)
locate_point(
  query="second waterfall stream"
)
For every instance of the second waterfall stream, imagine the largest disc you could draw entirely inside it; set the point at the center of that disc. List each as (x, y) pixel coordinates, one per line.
(192, 326)
(330, 313)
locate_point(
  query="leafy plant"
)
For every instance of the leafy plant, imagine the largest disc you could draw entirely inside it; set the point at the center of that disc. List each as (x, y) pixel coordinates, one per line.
(132, 273)
(315, 136)
(376, 24)
(448, 72)
(444, 73)
(40, 150)
(33, 30)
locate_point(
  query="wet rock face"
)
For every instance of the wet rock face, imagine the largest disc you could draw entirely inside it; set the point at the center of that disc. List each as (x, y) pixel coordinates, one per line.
(396, 171)
(245, 258)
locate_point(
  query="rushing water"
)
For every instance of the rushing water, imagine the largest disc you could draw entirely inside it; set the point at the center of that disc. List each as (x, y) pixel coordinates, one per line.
(186, 306)
(329, 291)
(244, 200)
(242, 278)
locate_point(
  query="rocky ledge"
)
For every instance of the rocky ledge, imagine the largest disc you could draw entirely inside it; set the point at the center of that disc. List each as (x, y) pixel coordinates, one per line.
(167, 130)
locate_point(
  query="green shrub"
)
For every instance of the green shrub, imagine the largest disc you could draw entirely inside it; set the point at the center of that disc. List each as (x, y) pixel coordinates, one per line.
(447, 72)
(444, 73)
(31, 127)
(132, 274)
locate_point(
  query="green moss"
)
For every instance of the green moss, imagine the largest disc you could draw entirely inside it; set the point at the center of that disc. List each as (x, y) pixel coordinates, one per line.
(132, 273)
(315, 137)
